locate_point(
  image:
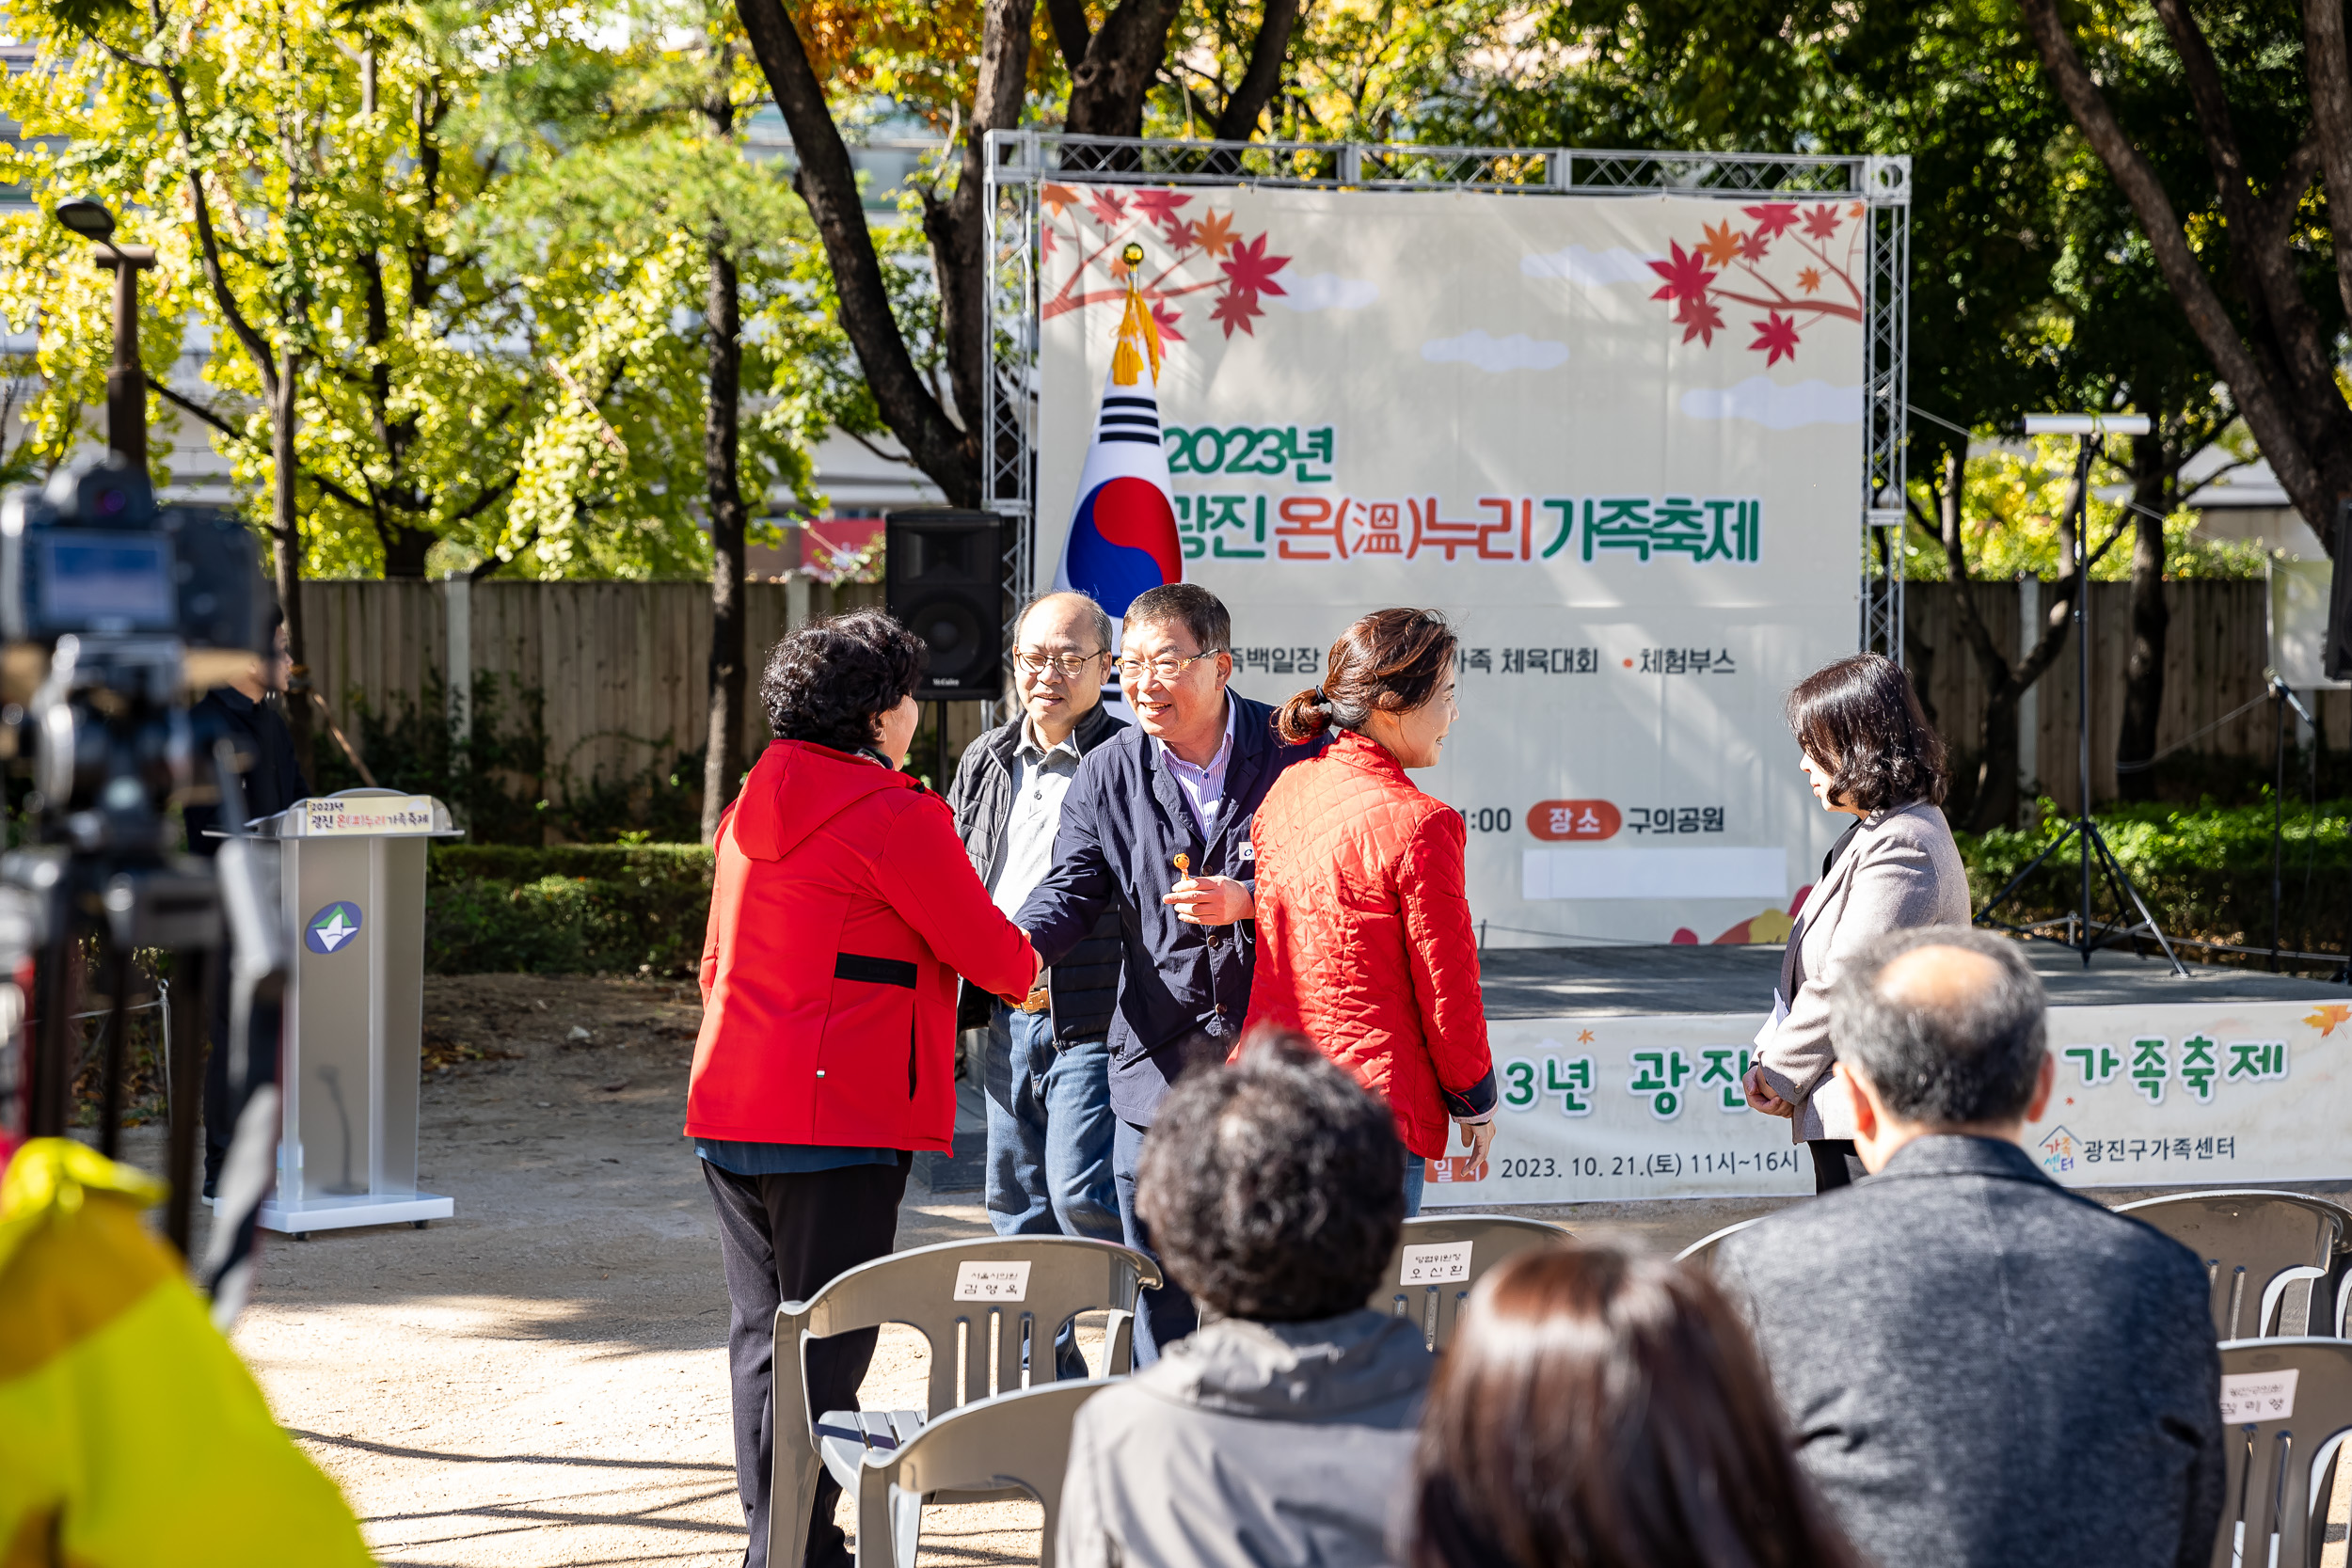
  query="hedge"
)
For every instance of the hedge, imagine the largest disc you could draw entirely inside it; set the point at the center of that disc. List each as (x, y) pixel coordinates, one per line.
(629, 909)
(579, 909)
(2204, 871)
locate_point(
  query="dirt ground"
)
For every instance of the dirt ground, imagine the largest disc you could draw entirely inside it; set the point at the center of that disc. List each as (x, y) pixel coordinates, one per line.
(541, 1380)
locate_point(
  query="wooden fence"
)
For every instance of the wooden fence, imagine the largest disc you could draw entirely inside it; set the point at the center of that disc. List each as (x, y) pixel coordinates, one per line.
(622, 665)
(2217, 644)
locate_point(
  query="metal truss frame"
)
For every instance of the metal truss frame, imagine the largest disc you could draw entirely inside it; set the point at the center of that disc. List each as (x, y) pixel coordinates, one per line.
(1018, 162)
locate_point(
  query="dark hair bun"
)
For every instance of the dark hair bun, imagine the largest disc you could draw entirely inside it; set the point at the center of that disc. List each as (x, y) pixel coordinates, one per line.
(1303, 718)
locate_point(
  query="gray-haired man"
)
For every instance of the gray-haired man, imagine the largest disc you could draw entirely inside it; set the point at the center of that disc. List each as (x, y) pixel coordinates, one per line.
(1980, 1367)
(1048, 1064)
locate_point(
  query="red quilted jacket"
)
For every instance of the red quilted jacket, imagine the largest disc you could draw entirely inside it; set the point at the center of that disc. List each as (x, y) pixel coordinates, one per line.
(1364, 936)
(841, 911)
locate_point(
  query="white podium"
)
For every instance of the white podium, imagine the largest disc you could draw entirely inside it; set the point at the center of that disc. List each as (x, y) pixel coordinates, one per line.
(352, 877)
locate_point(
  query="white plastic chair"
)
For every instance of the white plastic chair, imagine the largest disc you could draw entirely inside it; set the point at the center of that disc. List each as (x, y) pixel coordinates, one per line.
(2281, 1467)
(2260, 1248)
(1016, 1442)
(1439, 1258)
(989, 1310)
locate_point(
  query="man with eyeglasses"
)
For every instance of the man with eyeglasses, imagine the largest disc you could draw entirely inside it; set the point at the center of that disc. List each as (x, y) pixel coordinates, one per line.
(1155, 831)
(1048, 1168)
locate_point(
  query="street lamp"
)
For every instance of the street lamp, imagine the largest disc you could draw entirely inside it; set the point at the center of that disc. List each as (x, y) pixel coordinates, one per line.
(126, 379)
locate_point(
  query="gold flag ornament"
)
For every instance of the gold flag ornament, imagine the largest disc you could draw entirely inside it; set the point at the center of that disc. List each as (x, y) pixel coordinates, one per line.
(1139, 334)
(130, 1432)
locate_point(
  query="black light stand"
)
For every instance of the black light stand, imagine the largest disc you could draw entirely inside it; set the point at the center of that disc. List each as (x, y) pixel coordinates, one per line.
(2283, 697)
(2090, 844)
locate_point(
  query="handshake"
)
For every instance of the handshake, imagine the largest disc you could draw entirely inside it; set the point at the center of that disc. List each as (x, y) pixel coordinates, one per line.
(1198, 901)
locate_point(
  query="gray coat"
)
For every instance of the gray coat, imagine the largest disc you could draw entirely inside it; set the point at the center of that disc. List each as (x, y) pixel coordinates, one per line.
(1899, 869)
(1251, 1445)
(1983, 1369)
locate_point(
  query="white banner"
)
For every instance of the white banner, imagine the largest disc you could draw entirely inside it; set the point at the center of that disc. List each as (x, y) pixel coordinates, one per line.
(1618, 440)
(1613, 1108)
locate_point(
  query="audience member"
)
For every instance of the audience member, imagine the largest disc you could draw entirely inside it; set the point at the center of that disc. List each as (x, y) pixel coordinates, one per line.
(1364, 935)
(1602, 1409)
(1156, 829)
(1281, 1432)
(1046, 1071)
(1981, 1369)
(841, 911)
(1870, 752)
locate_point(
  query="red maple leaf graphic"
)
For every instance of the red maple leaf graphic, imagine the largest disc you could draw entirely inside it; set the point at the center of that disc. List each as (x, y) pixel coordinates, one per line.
(1699, 320)
(1821, 223)
(1774, 220)
(1107, 209)
(1776, 337)
(1234, 308)
(1249, 271)
(1046, 239)
(1752, 247)
(1183, 235)
(1686, 275)
(1160, 207)
(1166, 319)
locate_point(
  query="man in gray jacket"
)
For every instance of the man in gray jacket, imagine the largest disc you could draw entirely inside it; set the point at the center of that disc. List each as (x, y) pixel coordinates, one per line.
(1980, 1369)
(1281, 1432)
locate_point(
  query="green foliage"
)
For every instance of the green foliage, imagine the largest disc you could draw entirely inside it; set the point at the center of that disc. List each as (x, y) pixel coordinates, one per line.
(2205, 871)
(575, 910)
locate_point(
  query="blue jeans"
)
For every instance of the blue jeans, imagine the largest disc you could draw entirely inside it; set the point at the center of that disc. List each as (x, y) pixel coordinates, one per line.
(1049, 1139)
(1416, 1174)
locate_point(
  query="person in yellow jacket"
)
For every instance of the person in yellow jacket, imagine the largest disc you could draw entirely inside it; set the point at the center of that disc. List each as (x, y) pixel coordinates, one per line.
(130, 1432)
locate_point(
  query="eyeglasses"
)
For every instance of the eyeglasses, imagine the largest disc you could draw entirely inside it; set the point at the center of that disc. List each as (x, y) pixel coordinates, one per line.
(1072, 665)
(1167, 667)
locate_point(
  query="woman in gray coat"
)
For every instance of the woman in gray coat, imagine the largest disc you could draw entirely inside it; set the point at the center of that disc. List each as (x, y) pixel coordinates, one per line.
(1870, 755)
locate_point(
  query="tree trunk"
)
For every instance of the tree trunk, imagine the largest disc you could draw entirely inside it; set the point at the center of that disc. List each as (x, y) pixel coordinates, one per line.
(1122, 61)
(722, 758)
(2143, 673)
(2302, 432)
(1997, 741)
(946, 453)
(286, 530)
(1238, 119)
(404, 551)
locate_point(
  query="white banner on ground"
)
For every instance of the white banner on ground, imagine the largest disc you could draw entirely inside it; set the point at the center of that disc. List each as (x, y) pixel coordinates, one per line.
(1614, 1108)
(1618, 440)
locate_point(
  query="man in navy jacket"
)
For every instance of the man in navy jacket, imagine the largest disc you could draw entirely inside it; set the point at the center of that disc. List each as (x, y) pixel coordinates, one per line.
(1185, 780)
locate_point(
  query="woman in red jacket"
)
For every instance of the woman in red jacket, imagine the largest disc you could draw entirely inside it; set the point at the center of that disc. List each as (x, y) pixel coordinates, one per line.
(842, 909)
(1364, 937)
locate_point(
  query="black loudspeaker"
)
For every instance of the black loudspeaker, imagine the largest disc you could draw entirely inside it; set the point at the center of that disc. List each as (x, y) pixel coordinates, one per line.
(943, 579)
(2335, 654)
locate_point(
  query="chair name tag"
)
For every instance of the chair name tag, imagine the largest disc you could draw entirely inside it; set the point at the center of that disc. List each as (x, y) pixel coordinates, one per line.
(1439, 1264)
(992, 1281)
(2249, 1397)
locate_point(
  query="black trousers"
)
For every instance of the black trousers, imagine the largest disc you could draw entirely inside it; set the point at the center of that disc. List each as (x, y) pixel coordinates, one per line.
(783, 1237)
(1834, 1163)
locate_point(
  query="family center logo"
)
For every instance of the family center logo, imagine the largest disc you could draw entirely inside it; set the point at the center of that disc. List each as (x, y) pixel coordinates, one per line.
(332, 927)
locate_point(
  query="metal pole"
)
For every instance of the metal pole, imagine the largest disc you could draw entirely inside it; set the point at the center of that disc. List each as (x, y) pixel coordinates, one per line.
(126, 378)
(2082, 665)
(2277, 824)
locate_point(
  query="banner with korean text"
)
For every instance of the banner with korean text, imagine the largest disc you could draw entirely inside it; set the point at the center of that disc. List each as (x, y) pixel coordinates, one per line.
(1618, 441)
(2173, 1096)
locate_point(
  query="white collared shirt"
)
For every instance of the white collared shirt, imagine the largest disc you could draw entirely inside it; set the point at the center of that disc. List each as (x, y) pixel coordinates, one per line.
(1040, 778)
(1203, 787)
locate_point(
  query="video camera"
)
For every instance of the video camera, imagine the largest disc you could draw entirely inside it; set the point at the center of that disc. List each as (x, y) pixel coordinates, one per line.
(116, 614)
